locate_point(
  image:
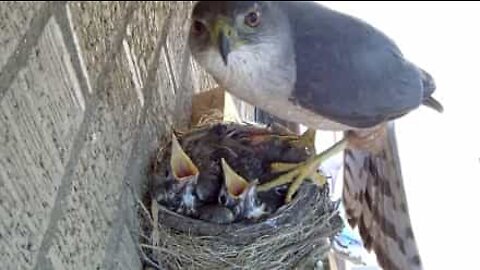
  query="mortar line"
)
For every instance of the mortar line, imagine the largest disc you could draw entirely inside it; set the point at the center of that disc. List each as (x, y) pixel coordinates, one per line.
(92, 101)
(151, 83)
(184, 72)
(19, 58)
(73, 49)
(64, 19)
(171, 69)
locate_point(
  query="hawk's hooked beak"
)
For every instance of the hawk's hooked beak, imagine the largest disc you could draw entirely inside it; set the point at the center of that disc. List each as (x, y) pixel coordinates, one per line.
(223, 34)
(235, 184)
(224, 46)
(181, 164)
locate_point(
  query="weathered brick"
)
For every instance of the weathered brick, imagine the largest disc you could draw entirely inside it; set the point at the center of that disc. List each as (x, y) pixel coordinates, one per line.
(177, 36)
(15, 19)
(171, 107)
(150, 18)
(94, 24)
(128, 246)
(39, 116)
(98, 177)
(165, 112)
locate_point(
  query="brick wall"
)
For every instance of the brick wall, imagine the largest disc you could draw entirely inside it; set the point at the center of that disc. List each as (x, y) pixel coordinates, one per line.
(87, 91)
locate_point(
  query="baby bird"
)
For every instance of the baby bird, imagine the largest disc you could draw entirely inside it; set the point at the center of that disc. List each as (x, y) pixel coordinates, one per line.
(239, 195)
(207, 168)
(176, 190)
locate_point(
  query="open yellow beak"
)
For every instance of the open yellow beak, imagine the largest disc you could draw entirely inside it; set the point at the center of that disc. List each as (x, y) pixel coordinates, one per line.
(181, 164)
(236, 185)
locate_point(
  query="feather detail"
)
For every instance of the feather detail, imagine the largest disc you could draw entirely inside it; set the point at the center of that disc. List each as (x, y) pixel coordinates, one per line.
(375, 201)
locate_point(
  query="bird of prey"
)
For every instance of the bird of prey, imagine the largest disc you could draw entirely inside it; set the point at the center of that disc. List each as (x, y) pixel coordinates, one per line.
(308, 64)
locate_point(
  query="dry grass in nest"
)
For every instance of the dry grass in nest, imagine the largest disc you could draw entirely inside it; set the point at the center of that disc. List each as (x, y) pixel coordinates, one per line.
(284, 240)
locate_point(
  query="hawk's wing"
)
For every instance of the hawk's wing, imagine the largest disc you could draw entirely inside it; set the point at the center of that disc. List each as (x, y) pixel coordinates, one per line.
(375, 201)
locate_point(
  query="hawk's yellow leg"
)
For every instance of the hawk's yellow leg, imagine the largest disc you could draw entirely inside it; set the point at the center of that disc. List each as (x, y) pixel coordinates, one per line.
(303, 170)
(278, 167)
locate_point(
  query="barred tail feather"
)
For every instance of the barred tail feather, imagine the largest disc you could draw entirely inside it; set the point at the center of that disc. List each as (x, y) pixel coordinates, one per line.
(375, 201)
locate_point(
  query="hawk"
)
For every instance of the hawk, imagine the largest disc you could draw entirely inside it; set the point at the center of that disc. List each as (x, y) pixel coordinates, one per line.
(309, 64)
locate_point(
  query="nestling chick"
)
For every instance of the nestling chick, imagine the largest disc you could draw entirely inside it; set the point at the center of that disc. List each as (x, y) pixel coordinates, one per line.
(176, 190)
(239, 195)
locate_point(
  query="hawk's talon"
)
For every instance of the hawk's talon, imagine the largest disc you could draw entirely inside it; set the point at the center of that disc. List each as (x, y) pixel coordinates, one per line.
(302, 171)
(319, 179)
(293, 189)
(281, 180)
(279, 167)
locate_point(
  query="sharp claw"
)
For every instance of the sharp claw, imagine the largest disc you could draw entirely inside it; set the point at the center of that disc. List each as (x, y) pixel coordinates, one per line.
(319, 179)
(306, 171)
(297, 176)
(235, 184)
(181, 164)
(293, 189)
(303, 170)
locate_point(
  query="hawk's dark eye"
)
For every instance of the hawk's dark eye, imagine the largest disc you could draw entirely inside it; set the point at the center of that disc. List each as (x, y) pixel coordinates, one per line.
(198, 28)
(252, 19)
